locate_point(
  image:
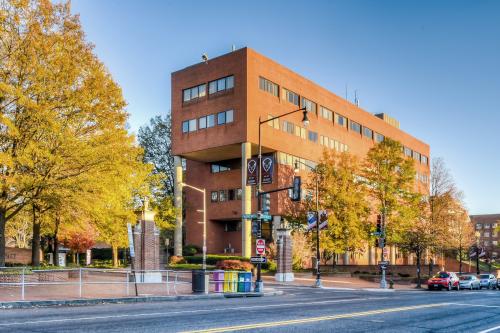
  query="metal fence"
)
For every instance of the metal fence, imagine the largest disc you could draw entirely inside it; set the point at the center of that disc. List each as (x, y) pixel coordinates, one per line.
(21, 283)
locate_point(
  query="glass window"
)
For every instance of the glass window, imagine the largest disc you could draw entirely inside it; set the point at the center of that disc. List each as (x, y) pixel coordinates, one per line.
(230, 82)
(313, 136)
(185, 126)
(222, 195)
(221, 118)
(407, 151)
(231, 195)
(186, 95)
(270, 87)
(303, 133)
(214, 196)
(194, 92)
(424, 159)
(368, 132)
(212, 87)
(379, 137)
(487, 226)
(479, 226)
(211, 120)
(202, 122)
(239, 193)
(192, 125)
(202, 90)
(229, 116)
(221, 84)
(214, 168)
(291, 97)
(340, 120)
(355, 127)
(325, 113)
(309, 105)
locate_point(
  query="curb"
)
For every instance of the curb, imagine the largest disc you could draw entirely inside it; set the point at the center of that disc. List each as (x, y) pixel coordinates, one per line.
(122, 300)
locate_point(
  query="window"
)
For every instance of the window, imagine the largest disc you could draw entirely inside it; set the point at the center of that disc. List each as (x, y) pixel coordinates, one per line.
(494, 242)
(416, 156)
(222, 84)
(229, 116)
(291, 97)
(303, 133)
(479, 226)
(313, 136)
(202, 122)
(192, 125)
(268, 86)
(355, 127)
(222, 195)
(185, 126)
(407, 151)
(231, 195)
(368, 132)
(487, 226)
(340, 120)
(379, 137)
(424, 159)
(194, 92)
(216, 168)
(288, 127)
(221, 118)
(309, 105)
(325, 113)
(214, 196)
(239, 193)
(486, 234)
(211, 120)
(232, 226)
(275, 123)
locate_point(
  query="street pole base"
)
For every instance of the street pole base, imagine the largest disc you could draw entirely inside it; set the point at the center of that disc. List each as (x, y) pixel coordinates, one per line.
(318, 284)
(383, 284)
(259, 287)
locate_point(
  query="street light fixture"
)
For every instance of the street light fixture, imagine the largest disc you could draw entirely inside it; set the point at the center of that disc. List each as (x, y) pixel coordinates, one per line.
(259, 285)
(317, 284)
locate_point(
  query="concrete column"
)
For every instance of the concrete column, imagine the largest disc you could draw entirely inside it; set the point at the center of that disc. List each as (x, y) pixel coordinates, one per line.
(246, 202)
(393, 255)
(371, 255)
(346, 258)
(178, 205)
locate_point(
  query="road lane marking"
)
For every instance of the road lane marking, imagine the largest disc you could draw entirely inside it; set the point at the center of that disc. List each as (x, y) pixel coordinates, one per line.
(315, 319)
(490, 329)
(152, 314)
(477, 305)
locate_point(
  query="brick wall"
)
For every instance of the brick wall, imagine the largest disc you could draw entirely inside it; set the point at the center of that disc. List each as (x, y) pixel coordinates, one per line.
(15, 255)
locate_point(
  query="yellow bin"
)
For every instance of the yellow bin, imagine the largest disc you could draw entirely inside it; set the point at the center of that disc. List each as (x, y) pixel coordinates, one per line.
(230, 282)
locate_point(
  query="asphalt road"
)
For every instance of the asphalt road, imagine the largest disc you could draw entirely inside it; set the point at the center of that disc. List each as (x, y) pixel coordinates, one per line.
(300, 309)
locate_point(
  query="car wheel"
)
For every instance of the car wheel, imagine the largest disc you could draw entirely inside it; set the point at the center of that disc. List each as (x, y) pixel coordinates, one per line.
(458, 287)
(449, 286)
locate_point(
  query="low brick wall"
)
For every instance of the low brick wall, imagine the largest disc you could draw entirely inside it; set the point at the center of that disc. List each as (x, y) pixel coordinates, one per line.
(14, 255)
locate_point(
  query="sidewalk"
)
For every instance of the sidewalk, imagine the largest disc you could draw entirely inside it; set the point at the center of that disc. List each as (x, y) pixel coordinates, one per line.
(336, 282)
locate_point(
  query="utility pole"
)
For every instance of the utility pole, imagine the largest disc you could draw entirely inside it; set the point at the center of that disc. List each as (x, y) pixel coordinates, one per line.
(383, 282)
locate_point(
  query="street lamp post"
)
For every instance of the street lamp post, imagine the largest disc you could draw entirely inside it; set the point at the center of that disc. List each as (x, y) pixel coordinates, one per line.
(317, 284)
(259, 286)
(204, 211)
(478, 235)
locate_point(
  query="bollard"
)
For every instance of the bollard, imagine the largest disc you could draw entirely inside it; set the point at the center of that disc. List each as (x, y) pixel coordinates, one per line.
(22, 286)
(168, 288)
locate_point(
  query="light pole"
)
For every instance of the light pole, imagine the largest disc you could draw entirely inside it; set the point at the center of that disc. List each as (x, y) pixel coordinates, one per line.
(317, 284)
(478, 235)
(204, 211)
(259, 286)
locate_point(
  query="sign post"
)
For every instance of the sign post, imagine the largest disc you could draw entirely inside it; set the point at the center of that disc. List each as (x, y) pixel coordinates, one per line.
(132, 254)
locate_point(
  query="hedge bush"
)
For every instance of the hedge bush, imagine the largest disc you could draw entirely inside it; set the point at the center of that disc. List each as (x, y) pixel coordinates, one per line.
(190, 250)
(234, 265)
(212, 259)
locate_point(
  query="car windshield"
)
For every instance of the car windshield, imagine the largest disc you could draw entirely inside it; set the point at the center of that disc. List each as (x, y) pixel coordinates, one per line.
(442, 275)
(484, 276)
(466, 277)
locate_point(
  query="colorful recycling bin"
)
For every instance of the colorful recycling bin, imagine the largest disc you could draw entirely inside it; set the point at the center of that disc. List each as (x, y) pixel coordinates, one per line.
(230, 282)
(244, 282)
(218, 278)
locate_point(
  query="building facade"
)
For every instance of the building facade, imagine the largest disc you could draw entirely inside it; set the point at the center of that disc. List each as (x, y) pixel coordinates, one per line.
(216, 107)
(486, 227)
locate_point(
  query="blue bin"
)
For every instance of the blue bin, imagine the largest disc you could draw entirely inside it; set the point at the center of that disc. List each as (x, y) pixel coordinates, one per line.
(244, 282)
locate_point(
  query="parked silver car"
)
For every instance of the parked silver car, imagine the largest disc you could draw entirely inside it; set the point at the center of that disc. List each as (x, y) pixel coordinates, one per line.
(488, 281)
(469, 282)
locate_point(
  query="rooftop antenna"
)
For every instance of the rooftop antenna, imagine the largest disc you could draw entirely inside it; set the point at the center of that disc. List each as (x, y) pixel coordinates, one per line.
(204, 57)
(233, 48)
(356, 99)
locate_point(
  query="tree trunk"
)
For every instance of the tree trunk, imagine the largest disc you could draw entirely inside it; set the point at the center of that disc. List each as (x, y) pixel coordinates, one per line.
(35, 243)
(418, 253)
(78, 258)
(460, 259)
(56, 242)
(2, 237)
(115, 256)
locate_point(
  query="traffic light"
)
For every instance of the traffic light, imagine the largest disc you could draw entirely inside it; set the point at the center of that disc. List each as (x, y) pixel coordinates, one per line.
(379, 224)
(296, 188)
(266, 202)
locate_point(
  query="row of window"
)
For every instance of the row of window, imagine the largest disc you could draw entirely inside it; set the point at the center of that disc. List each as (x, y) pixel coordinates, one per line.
(226, 195)
(214, 86)
(333, 144)
(328, 114)
(487, 234)
(287, 159)
(422, 177)
(486, 226)
(210, 120)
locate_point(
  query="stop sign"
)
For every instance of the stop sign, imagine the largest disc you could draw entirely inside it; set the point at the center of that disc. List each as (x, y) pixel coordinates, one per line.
(260, 246)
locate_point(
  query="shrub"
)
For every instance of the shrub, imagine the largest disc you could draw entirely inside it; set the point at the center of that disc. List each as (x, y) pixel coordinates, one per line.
(176, 260)
(190, 250)
(356, 272)
(234, 265)
(270, 266)
(212, 259)
(404, 274)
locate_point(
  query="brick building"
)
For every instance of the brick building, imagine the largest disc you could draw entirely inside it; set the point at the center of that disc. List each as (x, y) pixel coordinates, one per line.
(216, 107)
(489, 238)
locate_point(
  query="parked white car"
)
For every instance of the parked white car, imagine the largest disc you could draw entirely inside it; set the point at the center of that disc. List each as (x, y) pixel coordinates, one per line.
(469, 282)
(488, 281)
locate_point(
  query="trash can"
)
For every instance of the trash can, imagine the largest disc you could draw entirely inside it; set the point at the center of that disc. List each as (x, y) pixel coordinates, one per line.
(244, 282)
(230, 282)
(200, 282)
(218, 278)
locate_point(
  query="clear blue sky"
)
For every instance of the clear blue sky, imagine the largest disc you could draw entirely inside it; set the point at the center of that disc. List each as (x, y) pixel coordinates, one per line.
(433, 65)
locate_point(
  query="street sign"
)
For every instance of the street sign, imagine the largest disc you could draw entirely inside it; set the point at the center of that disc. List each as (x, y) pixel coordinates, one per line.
(260, 246)
(267, 169)
(385, 262)
(130, 240)
(265, 217)
(252, 171)
(258, 260)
